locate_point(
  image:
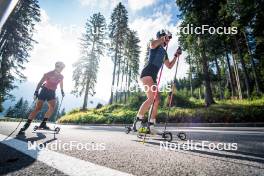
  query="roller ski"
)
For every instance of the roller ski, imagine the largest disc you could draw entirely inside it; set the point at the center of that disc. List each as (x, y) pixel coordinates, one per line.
(136, 125)
(145, 131)
(44, 128)
(148, 131)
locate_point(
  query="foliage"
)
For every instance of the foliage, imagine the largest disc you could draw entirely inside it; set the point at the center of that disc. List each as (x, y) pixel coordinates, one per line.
(124, 50)
(92, 47)
(115, 113)
(16, 42)
(223, 66)
(20, 110)
(224, 111)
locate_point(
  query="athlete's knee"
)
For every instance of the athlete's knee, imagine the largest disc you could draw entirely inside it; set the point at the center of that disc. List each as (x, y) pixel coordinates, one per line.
(51, 109)
(37, 109)
(150, 99)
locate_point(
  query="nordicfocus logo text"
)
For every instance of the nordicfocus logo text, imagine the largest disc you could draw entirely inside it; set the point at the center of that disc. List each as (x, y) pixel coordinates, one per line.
(190, 145)
(206, 29)
(72, 145)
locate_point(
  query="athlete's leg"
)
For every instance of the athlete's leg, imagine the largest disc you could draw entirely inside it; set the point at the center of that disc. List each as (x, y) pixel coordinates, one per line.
(48, 114)
(155, 109)
(150, 88)
(38, 107)
(51, 105)
(31, 116)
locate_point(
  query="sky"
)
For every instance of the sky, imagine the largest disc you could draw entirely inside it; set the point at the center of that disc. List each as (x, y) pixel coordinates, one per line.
(62, 23)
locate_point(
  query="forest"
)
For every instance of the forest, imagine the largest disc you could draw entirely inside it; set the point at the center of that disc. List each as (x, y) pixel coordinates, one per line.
(224, 82)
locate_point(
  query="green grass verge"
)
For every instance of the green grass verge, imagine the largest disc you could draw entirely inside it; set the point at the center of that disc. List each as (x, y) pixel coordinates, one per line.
(228, 111)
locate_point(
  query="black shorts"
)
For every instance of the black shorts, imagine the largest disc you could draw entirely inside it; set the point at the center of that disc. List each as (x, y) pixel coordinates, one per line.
(46, 94)
(150, 70)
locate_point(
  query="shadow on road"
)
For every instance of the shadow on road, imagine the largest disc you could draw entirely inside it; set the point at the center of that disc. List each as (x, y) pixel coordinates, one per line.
(39, 136)
(13, 160)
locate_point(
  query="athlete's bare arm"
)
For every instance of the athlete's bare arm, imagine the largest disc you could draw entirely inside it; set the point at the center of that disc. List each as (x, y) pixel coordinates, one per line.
(40, 83)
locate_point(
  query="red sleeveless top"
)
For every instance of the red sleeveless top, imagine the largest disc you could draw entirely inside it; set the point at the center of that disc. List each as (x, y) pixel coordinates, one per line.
(52, 79)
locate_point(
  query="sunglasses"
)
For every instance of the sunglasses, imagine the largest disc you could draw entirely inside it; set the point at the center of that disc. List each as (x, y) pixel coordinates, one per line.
(168, 36)
(57, 66)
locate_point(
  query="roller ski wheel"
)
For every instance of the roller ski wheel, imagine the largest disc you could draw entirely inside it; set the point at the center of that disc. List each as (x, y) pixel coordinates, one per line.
(167, 136)
(35, 128)
(128, 129)
(57, 130)
(182, 136)
(140, 136)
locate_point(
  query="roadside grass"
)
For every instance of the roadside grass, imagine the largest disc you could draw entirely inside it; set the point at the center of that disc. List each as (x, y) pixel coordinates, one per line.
(116, 113)
(225, 111)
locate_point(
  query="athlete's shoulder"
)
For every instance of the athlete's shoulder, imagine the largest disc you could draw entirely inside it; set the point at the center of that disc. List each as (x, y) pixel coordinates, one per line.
(48, 73)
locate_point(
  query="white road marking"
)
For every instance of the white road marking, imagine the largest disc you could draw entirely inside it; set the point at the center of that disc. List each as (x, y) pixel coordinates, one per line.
(64, 163)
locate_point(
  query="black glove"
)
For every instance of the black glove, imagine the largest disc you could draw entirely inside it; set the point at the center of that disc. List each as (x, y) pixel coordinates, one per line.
(179, 50)
(62, 93)
(36, 93)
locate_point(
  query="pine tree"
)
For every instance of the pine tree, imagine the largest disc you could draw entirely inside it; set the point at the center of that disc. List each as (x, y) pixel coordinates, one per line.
(132, 53)
(86, 68)
(15, 44)
(199, 13)
(9, 112)
(19, 110)
(118, 29)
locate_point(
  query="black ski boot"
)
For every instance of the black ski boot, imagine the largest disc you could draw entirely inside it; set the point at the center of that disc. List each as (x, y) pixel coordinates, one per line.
(24, 128)
(44, 126)
(137, 120)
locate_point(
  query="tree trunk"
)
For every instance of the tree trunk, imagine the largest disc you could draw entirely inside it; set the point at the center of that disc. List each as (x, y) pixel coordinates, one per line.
(230, 74)
(208, 91)
(129, 80)
(122, 82)
(252, 64)
(113, 79)
(118, 73)
(85, 101)
(219, 79)
(244, 70)
(190, 75)
(237, 78)
(126, 82)
(198, 71)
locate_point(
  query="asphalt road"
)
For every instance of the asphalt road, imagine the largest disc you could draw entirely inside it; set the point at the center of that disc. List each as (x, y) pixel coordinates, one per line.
(112, 152)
